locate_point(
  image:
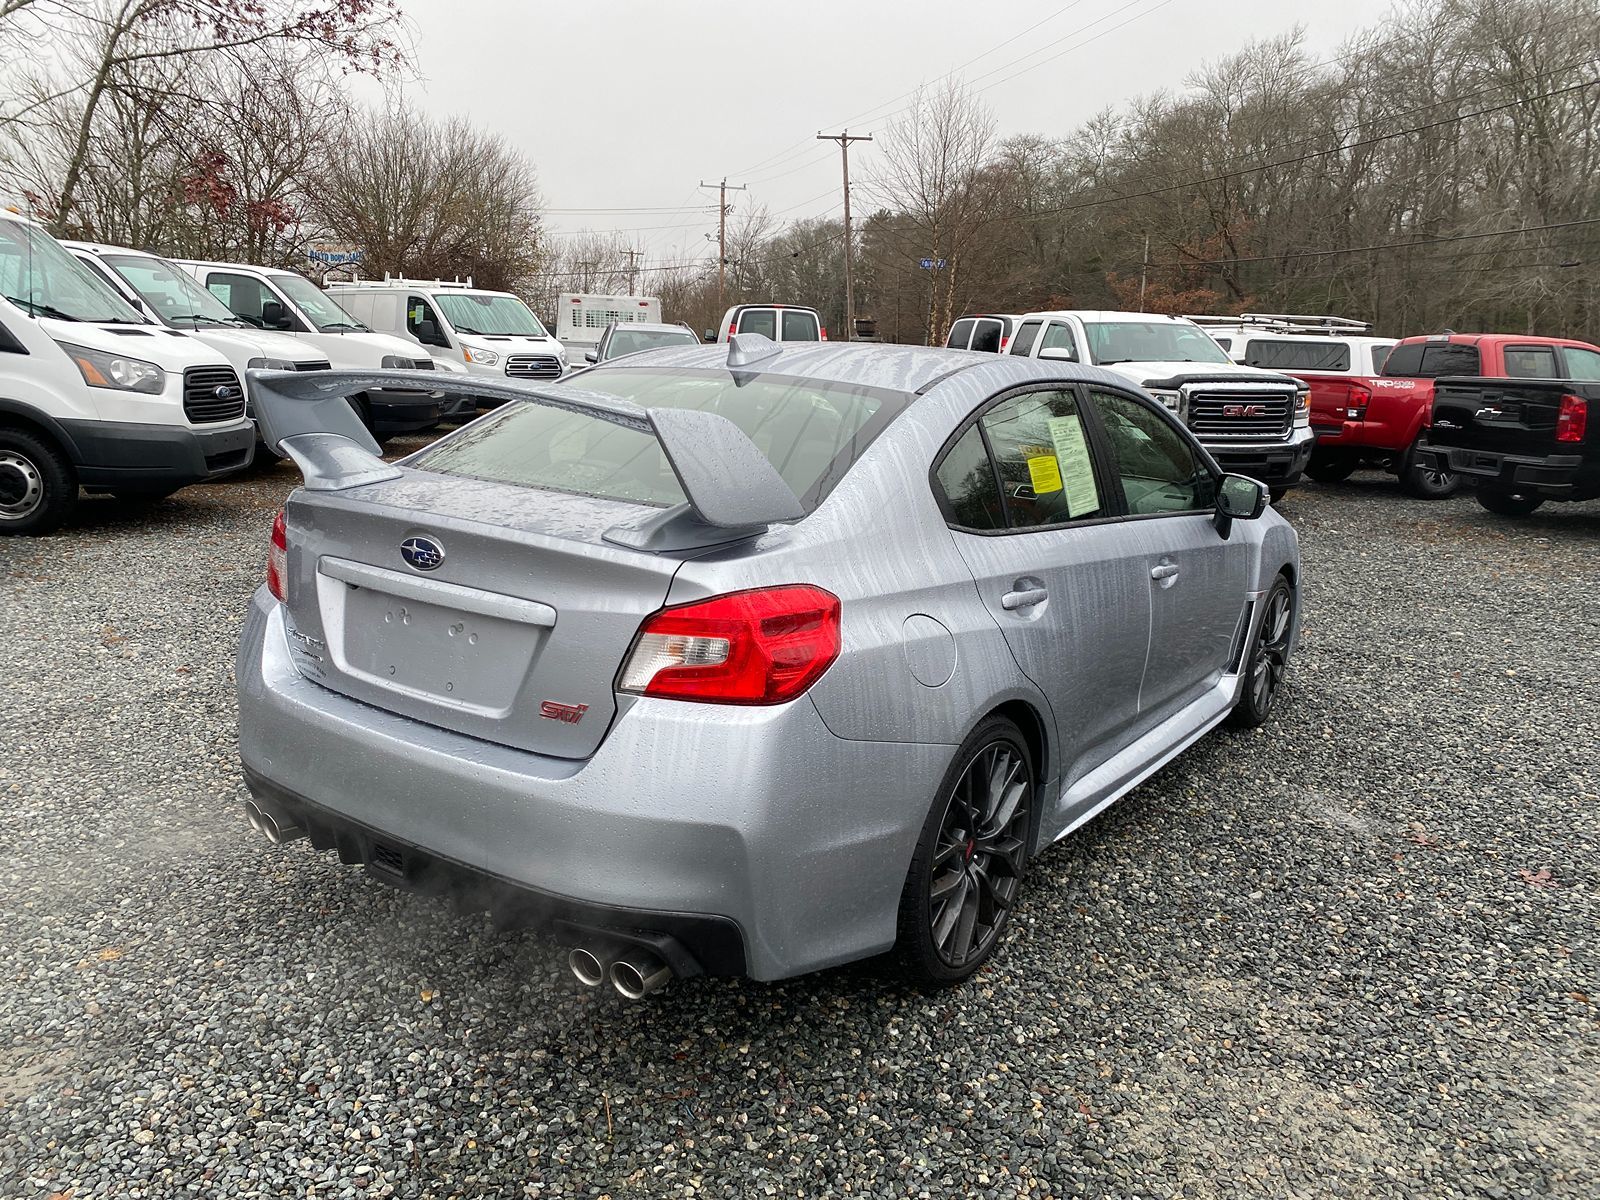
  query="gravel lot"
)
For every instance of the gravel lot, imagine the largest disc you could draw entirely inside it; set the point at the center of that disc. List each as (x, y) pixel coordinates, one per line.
(1350, 954)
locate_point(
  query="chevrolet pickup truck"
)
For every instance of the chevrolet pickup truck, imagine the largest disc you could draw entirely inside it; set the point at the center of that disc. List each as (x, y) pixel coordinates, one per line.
(1386, 416)
(1525, 441)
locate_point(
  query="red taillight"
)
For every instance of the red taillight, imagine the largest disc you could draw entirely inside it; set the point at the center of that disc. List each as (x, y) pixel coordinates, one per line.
(759, 647)
(278, 559)
(824, 333)
(1004, 340)
(1572, 422)
(733, 328)
(1357, 402)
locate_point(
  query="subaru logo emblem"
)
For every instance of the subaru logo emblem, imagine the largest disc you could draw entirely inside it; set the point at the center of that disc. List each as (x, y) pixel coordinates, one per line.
(225, 391)
(422, 553)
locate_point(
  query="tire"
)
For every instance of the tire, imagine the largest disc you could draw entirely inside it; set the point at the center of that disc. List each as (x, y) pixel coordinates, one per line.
(963, 867)
(1331, 468)
(1267, 659)
(1276, 495)
(1505, 503)
(1426, 482)
(38, 487)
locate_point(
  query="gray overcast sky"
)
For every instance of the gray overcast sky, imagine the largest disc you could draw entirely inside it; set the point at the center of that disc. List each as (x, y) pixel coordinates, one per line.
(628, 105)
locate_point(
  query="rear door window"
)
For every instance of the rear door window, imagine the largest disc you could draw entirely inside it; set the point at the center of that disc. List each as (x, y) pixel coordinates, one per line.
(960, 334)
(1531, 362)
(801, 327)
(1380, 355)
(1026, 333)
(759, 320)
(1307, 355)
(1430, 360)
(1041, 453)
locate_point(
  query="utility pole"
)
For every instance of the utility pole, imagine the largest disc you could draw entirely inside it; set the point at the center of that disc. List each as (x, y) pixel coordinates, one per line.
(722, 233)
(844, 139)
(633, 268)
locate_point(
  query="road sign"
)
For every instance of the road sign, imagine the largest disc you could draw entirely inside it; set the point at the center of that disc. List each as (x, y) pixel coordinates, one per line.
(931, 264)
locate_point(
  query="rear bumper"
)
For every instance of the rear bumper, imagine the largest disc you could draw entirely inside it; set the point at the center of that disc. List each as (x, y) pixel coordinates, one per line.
(685, 823)
(1556, 476)
(118, 454)
(1276, 464)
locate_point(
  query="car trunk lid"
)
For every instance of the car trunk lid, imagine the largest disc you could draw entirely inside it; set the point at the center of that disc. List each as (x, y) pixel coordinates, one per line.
(489, 609)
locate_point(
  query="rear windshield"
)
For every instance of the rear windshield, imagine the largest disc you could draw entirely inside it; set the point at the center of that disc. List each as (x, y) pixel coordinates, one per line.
(960, 334)
(986, 336)
(759, 320)
(1429, 360)
(1309, 355)
(630, 341)
(801, 327)
(811, 432)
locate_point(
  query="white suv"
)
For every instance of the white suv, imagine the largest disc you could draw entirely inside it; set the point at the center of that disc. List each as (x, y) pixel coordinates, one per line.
(489, 333)
(93, 395)
(1254, 422)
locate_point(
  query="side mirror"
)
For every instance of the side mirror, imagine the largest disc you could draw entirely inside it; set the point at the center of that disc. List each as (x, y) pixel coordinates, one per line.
(272, 315)
(590, 356)
(1239, 498)
(1058, 354)
(710, 336)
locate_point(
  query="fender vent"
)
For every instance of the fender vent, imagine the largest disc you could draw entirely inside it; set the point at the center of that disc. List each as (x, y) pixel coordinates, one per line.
(1241, 637)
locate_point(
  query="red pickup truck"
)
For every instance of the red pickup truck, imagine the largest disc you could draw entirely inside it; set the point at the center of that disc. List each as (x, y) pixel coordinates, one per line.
(1380, 420)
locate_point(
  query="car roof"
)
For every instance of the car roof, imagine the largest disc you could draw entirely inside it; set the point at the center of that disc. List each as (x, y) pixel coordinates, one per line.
(654, 327)
(912, 369)
(1106, 314)
(106, 248)
(1478, 339)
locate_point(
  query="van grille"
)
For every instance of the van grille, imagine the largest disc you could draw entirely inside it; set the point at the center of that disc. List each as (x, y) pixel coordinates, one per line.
(212, 394)
(1224, 414)
(534, 366)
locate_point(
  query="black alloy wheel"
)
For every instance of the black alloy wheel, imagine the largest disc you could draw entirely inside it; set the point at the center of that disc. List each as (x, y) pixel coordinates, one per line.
(1268, 660)
(1422, 477)
(971, 859)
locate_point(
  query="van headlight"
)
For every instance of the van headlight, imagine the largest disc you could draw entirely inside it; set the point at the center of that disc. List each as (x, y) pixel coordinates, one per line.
(103, 370)
(397, 362)
(1169, 400)
(484, 358)
(270, 364)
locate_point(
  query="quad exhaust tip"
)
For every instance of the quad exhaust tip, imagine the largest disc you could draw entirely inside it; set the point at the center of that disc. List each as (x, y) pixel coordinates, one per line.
(586, 967)
(633, 974)
(638, 973)
(269, 827)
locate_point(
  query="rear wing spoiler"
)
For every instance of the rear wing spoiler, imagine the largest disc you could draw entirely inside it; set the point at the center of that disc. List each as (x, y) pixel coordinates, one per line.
(729, 484)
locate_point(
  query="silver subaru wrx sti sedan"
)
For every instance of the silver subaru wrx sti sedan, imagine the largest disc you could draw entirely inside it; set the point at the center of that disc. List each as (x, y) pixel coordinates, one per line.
(743, 659)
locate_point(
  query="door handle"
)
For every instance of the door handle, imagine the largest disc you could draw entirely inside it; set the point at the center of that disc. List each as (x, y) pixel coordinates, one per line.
(1164, 571)
(1026, 598)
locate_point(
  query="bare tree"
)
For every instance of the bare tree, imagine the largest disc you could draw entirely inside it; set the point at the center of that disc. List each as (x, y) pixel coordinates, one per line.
(432, 198)
(930, 169)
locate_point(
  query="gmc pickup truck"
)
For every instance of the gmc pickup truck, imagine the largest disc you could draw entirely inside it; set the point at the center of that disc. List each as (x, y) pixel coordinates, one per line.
(1525, 441)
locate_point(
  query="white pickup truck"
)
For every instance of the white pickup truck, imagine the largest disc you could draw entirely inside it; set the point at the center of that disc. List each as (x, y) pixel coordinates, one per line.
(1254, 422)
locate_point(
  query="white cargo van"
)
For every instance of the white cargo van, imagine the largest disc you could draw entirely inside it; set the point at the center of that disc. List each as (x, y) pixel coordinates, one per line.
(581, 319)
(780, 322)
(167, 294)
(284, 302)
(93, 395)
(490, 333)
